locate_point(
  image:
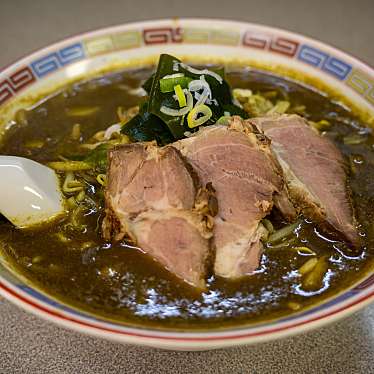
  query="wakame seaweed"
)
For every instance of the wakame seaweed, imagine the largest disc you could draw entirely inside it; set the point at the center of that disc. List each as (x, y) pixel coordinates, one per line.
(147, 127)
(152, 123)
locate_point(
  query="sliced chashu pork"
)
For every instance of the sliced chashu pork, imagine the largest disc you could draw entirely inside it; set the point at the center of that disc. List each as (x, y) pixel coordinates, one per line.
(314, 171)
(150, 198)
(239, 164)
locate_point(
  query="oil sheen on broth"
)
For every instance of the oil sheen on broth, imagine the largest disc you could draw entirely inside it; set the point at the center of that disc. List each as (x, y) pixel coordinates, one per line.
(119, 282)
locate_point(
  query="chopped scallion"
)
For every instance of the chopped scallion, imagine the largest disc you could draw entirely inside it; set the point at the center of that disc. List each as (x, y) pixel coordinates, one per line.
(180, 96)
(198, 115)
(168, 84)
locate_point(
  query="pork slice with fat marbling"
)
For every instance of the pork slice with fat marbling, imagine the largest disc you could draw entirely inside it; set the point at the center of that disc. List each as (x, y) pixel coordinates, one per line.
(151, 198)
(239, 164)
(314, 171)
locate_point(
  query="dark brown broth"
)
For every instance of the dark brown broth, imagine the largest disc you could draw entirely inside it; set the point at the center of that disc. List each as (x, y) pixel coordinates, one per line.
(120, 282)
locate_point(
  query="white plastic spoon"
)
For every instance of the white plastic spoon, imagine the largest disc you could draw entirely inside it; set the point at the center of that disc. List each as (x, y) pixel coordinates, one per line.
(29, 192)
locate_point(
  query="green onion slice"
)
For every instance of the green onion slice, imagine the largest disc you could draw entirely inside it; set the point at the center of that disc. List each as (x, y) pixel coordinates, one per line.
(168, 84)
(180, 96)
(198, 115)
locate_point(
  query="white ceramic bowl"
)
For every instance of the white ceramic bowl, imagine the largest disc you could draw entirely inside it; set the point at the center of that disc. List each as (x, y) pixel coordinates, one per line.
(200, 40)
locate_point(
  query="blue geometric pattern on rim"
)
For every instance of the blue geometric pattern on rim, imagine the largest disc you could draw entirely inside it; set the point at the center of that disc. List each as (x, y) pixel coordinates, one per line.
(312, 56)
(53, 61)
(45, 65)
(324, 61)
(336, 67)
(71, 53)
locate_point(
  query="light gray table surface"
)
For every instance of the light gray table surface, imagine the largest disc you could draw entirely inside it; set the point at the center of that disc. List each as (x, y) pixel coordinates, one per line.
(31, 345)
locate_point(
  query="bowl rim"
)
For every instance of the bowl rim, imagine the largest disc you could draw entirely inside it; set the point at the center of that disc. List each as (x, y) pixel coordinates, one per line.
(181, 339)
(119, 26)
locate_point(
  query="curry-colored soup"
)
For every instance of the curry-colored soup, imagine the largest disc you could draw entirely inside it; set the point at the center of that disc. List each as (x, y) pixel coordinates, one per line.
(118, 281)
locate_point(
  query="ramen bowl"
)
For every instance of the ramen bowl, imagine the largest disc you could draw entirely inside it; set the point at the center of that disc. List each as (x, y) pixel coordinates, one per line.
(200, 41)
